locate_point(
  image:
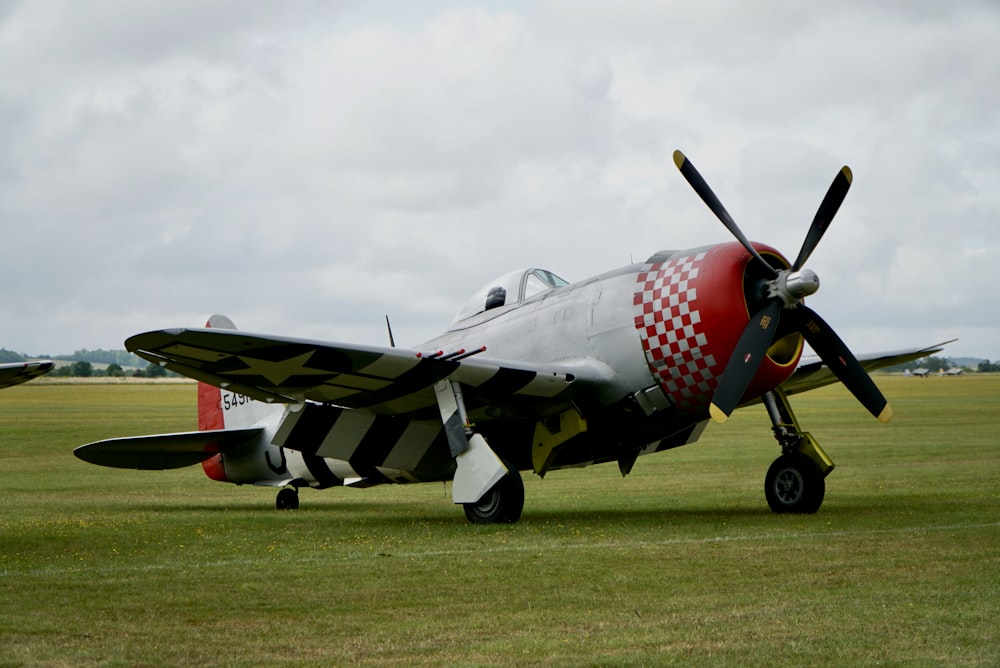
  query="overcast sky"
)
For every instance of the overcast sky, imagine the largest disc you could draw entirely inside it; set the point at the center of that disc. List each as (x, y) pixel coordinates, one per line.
(309, 167)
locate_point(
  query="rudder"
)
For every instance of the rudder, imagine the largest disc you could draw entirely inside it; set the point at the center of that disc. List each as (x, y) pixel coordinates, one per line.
(218, 409)
(210, 397)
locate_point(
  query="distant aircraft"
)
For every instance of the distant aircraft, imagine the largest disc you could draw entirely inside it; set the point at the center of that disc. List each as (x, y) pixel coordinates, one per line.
(954, 371)
(15, 373)
(920, 373)
(534, 374)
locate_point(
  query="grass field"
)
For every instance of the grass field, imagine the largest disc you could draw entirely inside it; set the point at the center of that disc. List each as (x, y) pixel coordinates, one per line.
(680, 563)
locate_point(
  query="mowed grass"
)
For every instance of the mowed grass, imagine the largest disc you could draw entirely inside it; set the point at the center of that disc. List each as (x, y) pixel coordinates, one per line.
(679, 563)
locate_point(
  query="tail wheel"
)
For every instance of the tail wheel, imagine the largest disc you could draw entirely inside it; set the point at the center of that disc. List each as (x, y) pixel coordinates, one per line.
(288, 499)
(794, 484)
(502, 504)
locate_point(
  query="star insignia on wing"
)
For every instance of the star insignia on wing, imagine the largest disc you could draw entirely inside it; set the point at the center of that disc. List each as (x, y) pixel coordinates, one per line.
(278, 372)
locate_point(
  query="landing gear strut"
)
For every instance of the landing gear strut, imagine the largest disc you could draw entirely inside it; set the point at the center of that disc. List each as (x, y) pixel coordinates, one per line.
(796, 481)
(489, 490)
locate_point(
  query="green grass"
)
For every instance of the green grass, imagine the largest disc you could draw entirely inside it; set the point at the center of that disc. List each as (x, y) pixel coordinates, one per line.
(680, 563)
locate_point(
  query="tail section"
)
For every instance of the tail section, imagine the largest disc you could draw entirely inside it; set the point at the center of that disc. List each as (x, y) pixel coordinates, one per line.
(210, 408)
(219, 409)
(210, 397)
(235, 442)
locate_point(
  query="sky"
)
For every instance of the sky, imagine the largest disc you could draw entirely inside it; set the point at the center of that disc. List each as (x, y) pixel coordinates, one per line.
(309, 167)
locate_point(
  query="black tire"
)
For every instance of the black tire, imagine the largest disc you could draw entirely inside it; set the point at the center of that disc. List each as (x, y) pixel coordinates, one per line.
(288, 499)
(794, 484)
(502, 504)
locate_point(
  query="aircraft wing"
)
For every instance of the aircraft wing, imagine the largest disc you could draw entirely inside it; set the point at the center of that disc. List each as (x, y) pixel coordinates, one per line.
(163, 451)
(382, 380)
(813, 373)
(15, 373)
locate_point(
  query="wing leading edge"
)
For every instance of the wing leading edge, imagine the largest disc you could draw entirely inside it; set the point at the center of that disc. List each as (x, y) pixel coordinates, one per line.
(382, 380)
(814, 374)
(16, 373)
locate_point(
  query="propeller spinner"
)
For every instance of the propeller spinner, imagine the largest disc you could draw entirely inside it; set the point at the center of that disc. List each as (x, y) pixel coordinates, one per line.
(785, 290)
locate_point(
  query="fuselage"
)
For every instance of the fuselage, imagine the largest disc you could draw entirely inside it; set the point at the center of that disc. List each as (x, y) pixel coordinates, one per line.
(657, 334)
(662, 330)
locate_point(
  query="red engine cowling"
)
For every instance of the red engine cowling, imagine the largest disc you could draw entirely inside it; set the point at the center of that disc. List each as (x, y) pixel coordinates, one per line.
(691, 308)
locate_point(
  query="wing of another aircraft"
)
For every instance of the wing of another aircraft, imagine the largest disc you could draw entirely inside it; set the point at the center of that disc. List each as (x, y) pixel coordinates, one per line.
(16, 373)
(164, 451)
(382, 380)
(812, 373)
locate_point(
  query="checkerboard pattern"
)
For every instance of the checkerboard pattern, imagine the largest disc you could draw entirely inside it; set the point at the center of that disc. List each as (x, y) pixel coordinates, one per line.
(672, 332)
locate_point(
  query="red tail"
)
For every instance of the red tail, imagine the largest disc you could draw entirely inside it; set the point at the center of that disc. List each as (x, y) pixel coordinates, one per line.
(210, 410)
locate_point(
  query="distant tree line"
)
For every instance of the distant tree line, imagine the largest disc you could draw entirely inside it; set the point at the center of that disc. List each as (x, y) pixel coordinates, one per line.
(112, 363)
(931, 363)
(84, 369)
(7, 356)
(122, 358)
(936, 364)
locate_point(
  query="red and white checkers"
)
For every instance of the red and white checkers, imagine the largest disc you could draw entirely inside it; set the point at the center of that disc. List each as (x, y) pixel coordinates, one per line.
(670, 326)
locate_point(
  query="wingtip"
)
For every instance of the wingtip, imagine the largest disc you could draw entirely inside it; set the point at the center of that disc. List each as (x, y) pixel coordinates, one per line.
(717, 414)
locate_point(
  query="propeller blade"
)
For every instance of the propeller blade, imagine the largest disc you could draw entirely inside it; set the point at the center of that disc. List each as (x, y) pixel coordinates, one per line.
(745, 360)
(705, 193)
(827, 210)
(841, 361)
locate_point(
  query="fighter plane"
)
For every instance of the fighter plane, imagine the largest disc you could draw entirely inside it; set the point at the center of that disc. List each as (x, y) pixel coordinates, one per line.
(535, 373)
(954, 371)
(919, 373)
(15, 373)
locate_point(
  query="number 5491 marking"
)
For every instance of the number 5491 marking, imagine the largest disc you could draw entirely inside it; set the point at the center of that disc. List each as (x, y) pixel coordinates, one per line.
(232, 400)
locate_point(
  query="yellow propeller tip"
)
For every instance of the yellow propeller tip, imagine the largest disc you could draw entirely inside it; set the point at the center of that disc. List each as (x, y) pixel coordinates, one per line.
(886, 414)
(848, 174)
(679, 159)
(717, 414)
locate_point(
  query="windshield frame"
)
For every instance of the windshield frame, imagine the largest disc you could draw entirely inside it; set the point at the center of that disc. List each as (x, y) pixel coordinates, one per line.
(519, 286)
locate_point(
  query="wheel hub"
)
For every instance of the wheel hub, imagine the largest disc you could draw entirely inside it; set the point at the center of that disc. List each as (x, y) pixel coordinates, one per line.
(789, 486)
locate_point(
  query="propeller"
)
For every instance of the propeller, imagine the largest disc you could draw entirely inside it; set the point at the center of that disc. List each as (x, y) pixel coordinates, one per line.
(785, 290)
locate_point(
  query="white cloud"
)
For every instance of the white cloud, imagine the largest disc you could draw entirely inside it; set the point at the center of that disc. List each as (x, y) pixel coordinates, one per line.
(309, 167)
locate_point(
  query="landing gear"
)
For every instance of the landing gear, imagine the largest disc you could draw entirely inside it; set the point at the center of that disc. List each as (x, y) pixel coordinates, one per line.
(796, 481)
(288, 499)
(794, 484)
(502, 504)
(490, 491)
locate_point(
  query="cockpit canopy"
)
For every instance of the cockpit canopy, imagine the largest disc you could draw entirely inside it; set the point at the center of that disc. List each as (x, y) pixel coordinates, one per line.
(512, 288)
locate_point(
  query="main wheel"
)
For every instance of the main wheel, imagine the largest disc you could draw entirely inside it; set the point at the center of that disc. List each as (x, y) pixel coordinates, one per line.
(502, 504)
(794, 484)
(288, 499)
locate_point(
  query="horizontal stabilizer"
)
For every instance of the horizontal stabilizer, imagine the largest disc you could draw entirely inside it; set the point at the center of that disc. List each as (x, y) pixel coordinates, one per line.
(164, 451)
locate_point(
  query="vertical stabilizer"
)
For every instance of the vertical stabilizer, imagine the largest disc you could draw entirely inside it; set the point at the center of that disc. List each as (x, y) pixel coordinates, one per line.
(210, 397)
(220, 409)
